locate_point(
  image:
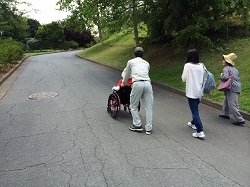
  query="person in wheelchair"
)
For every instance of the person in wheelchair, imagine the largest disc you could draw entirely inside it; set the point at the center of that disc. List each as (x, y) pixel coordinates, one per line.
(118, 87)
(120, 95)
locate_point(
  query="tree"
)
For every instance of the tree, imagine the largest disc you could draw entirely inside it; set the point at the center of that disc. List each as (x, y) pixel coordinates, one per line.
(192, 22)
(82, 38)
(33, 27)
(88, 10)
(108, 16)
(12, 23)
(180, 22)
(135, 23)
(52, 32)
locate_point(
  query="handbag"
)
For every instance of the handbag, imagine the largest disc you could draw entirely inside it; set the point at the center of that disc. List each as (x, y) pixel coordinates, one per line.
(224, 86)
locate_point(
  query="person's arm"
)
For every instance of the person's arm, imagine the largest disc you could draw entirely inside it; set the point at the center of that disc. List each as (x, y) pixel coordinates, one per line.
(184, 74)
(127, 72)
(130, 82)
(120, 82)
(225, 75)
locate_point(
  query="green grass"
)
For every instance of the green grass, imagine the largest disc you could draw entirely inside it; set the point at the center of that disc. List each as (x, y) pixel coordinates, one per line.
(166, 66)
(115, 52)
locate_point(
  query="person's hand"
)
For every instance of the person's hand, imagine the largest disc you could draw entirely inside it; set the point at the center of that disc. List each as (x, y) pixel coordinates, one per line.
(122, 85)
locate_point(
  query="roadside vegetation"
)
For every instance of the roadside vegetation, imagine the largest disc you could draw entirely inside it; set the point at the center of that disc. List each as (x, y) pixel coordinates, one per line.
(10, 52)
(167, 66)
(20, 36)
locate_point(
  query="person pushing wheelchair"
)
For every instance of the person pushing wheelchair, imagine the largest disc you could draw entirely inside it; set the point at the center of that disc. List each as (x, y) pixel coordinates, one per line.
(138, 69)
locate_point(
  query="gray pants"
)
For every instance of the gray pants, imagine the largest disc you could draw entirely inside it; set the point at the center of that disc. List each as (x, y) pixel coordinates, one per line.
(142, 90)
(230, 105)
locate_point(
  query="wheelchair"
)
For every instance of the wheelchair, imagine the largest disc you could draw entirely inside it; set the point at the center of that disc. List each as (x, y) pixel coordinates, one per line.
(118, 98)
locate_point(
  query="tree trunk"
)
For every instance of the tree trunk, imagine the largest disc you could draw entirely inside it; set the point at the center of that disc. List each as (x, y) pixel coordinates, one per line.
(100, 34)
(100, 30)
(136, 38)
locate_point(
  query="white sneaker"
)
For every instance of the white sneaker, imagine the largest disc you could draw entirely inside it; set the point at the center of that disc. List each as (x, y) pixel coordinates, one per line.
(199, 135)
(116, 88)
(191, 125)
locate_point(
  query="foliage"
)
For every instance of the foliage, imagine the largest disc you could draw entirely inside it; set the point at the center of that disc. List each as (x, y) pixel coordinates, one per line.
(108, 16)
(33, 27)
(191, 37)
(10, 50)
(81, 38)
(56, 45)
(172, 20)
(75, 22)
(89, 10)
(12, 24)
(167, 21)
(52, 32)
(73, 44)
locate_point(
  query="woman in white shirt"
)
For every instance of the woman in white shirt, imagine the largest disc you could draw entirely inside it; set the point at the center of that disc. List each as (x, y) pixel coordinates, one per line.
(193, 76)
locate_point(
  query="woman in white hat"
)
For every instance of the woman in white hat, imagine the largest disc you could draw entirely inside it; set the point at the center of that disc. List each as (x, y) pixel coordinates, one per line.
(230, 105)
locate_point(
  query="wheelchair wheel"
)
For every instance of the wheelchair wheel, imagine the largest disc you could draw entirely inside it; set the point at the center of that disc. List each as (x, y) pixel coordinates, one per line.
(113, 107)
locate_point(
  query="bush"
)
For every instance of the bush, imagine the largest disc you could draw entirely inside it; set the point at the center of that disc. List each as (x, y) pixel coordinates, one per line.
(73, 44)
(10, 50)
(43, 45)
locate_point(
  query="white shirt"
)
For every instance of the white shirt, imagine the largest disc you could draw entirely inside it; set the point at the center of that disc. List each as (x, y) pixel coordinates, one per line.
(193, 76)
(138, 69)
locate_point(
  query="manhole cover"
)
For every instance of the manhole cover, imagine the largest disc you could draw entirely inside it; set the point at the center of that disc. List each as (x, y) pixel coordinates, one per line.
(42, 95)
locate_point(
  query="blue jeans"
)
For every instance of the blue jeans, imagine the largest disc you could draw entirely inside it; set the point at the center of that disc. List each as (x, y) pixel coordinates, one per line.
(193, 104)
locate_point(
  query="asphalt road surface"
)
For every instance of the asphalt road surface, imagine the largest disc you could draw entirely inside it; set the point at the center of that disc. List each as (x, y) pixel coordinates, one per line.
(69, 139)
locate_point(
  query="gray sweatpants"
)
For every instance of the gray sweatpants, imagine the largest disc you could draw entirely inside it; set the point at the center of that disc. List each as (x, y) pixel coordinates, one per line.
(230, 105)
(142, 90)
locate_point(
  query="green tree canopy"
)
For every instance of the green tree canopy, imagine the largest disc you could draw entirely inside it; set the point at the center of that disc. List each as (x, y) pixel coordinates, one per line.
(179, 22)
(108, 16)
(51, 32)
(188, 22)
(12, 23)
(33, 27)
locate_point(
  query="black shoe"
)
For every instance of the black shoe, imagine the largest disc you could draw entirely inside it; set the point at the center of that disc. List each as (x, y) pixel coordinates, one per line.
(137, 129)
(224, 116)
(239, 123)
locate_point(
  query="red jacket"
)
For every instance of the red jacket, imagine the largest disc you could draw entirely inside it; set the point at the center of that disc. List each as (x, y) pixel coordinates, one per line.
(129, 83)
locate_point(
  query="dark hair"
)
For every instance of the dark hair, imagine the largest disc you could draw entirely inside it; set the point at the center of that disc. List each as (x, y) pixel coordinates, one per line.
(227, 62)
(138, 54)
(193, 56)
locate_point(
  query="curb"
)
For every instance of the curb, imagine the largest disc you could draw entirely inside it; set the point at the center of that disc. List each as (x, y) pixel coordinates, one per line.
(205, 101)
(7, 75)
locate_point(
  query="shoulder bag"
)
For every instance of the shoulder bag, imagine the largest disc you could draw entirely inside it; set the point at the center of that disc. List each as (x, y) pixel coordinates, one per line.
(225, 85)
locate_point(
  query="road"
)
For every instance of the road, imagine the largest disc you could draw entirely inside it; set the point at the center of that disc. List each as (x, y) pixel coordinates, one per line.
(70, 139)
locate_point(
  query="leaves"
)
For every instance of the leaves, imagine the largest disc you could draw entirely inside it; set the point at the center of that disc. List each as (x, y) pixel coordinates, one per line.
(51, 32)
